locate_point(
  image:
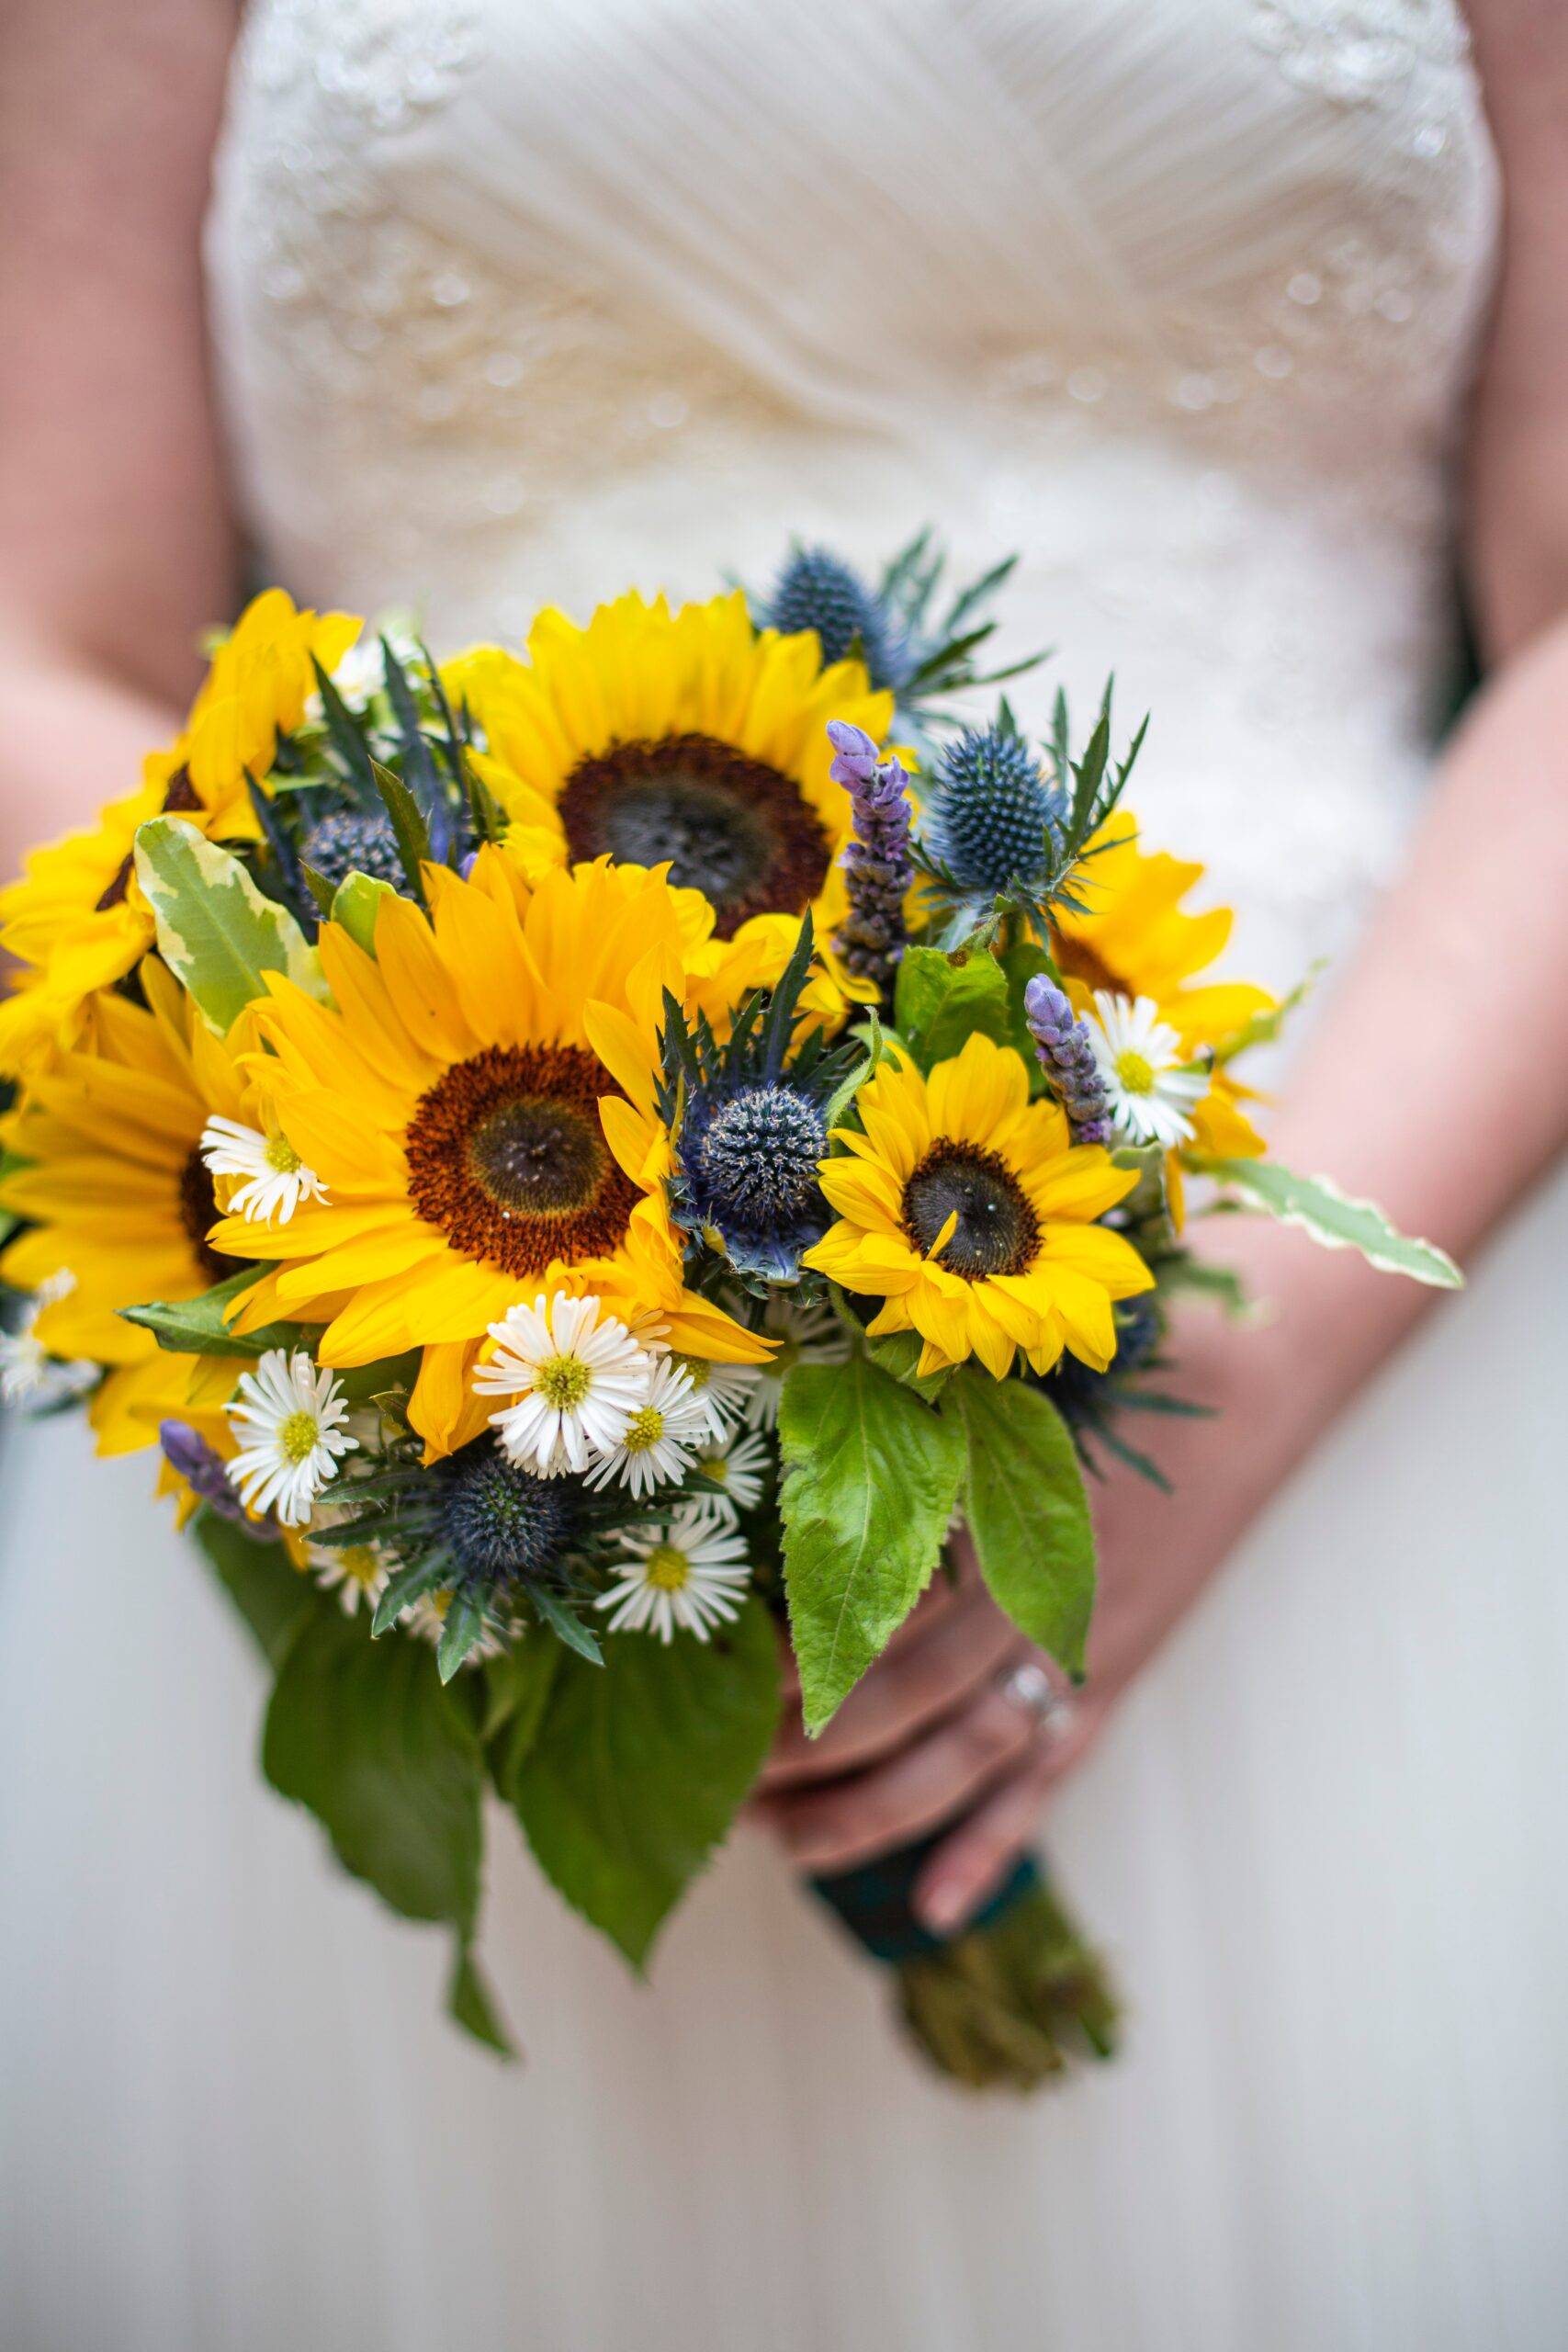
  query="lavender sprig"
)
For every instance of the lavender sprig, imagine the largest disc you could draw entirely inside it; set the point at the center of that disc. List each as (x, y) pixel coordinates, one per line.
(204, 1470)
(1066, 1056)
(877, 861)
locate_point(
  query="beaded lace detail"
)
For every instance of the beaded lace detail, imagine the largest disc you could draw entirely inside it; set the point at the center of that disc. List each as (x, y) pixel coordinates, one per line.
(513, 305)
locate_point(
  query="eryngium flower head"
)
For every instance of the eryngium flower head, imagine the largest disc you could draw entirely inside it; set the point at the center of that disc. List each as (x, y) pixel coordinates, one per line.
(351, 842)
(504, 1525)
(747, 1163)
(1067, 1058)
(819, 590)
(993, 820)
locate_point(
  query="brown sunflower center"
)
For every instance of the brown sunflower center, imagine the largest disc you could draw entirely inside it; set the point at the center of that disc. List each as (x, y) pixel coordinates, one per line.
(996, 1230)
(1076, 960)
(734, 827)
(506, 1157)
(198, 1212)
(181, 796)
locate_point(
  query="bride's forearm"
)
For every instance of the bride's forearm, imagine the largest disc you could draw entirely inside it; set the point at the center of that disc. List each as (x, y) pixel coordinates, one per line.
(74, 737)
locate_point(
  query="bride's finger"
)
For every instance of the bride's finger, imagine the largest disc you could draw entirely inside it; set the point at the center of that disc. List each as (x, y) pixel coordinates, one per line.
(844, 1822)
(911, 1686)
(968, 1866)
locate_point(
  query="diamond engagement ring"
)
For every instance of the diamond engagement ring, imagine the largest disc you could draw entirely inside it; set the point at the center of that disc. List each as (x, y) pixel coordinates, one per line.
(1029, 1687)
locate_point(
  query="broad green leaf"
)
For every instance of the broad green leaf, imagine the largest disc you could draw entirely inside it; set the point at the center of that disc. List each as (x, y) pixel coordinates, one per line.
(216, 932)
(1027, 1511)
(939, 1002)
(1331, 1216)
(356, 905)
(871, 1478)
(899, 1352)
(196, 1326)
(518, 1685)
(261, 1581)
(470, 2005)
(364, 1734)
(638, 1768)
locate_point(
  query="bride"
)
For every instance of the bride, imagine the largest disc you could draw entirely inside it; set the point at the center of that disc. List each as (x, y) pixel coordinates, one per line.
(1210, 309)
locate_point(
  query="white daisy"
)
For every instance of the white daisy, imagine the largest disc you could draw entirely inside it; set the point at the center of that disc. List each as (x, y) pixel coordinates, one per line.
(30, 1375)
(661, 1437)
(690, 1572)
(737, 1471)
(808, 1334)
(1149, 1076)
(276, 1178)
(725, 1389)
(290, 1416)
(576, 1377)
(356, 1572)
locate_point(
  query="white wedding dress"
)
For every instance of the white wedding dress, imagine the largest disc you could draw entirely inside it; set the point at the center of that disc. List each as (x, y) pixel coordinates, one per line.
(516, 304)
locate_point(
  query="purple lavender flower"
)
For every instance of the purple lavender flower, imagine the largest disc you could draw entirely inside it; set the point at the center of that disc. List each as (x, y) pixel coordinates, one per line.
(1066, 1056)
(203, 1468)
(877, 861)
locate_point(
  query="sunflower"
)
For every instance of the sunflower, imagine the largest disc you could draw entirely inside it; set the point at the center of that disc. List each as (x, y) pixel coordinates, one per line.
(690, 738)
(968, 1210)
(77, 922)
(479, 1106)
(1135, 940)
(122, 1202)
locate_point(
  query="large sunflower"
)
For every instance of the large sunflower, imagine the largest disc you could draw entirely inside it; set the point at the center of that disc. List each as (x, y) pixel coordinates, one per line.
(688, 738)
(1135, 941)
(77, 922)
(968, 1210)
(122, 1203)
(479, 1106)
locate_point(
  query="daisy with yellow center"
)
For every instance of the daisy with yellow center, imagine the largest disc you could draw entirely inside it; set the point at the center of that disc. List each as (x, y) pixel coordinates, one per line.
(661, 1440)
(1135, 940)
(967, 1208)
(77, 922)
(121, 1199)
(479, 1106)
(690, 738)
(688, 1575)
(576, 1378)
(289, 1417)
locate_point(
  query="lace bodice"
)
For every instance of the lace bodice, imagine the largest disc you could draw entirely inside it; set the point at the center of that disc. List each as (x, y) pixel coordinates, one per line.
(1176, 296)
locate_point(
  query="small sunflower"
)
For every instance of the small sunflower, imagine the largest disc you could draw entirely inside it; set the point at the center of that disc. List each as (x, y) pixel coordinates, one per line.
(122, 1203)
(1135, 940)
(479, 1108)
(690, 738)
(967, 1208)
(77, 922)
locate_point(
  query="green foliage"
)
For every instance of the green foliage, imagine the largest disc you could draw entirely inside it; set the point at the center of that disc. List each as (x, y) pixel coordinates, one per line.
(196, 1326)
(632, 1773)
(470, 2004)
(1331, 1216)
(409, 827)
(216, 932)
(1027, 1511)
(355, 905)
(364, 1734)
(941, 1000)
(872, 1476)
(261, 1581)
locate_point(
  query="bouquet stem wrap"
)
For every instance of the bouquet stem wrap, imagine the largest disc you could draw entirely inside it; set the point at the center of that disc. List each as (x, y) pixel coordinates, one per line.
(1009, 2000)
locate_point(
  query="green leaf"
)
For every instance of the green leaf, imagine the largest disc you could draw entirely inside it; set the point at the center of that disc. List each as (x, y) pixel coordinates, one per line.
(216, 932)
(871, 1478)
(568, 1626)
(637, 1770)
(518, 1686)
(194, 1327)
(321, 890)
(470, 2005)
(899, 1352)
(462, 1626)
(1331, 1216)
(408, 825)
(356, 905)
(1027, 1511)
(390, 1762)
(941, 1000)
(261, 1581)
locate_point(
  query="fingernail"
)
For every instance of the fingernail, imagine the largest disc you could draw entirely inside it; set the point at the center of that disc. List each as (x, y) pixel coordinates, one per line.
(942, 1905)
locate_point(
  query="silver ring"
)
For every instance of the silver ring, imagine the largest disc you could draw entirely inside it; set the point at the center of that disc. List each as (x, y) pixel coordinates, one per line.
(1027, 1687)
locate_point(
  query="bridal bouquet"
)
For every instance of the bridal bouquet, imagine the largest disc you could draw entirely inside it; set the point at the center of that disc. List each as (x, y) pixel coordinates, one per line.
(590, 1162)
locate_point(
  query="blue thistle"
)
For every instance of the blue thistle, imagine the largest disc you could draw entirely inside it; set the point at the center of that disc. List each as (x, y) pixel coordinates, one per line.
(1066, 1056)
(818, 590)
(351, 842)
(994, 820)
(878, 862)
(504, 1526)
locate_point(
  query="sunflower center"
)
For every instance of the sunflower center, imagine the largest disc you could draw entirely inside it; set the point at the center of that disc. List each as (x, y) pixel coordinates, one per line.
(537, 1154)
(563, 1381)
(296, 1436)
(1135, 1071)
(198, 1214)
(734, 828)
(996, 1230)
(644, 1429)
(667, 1570)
